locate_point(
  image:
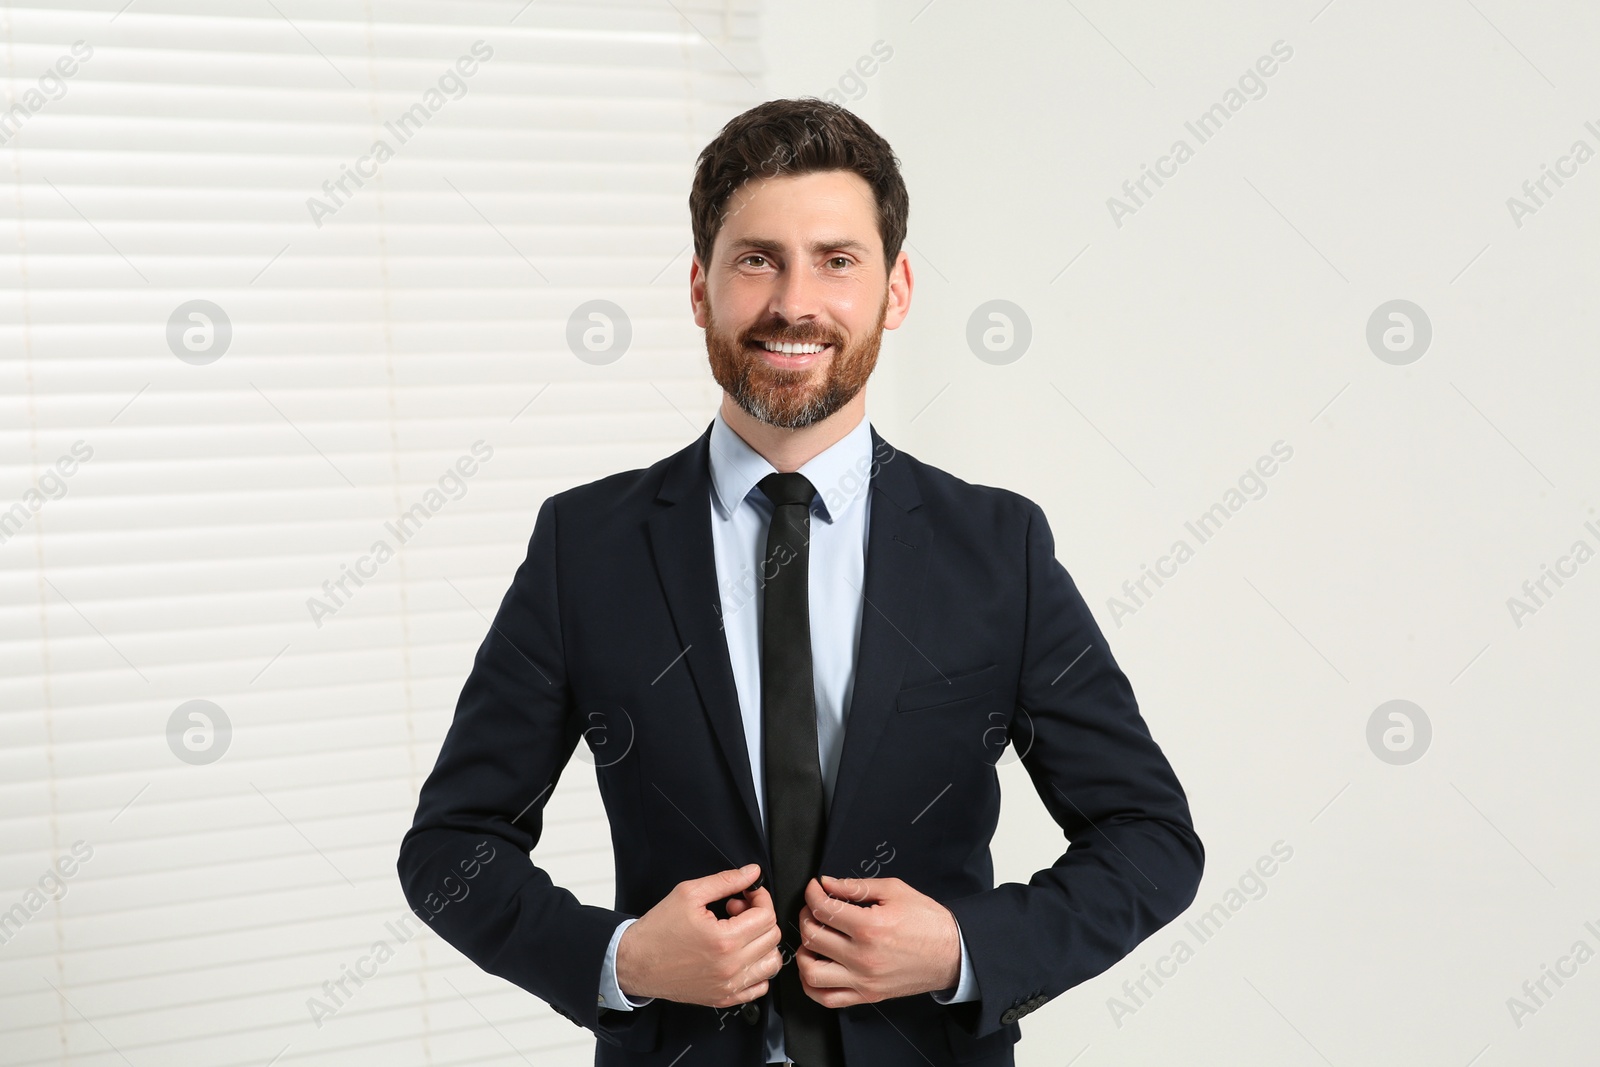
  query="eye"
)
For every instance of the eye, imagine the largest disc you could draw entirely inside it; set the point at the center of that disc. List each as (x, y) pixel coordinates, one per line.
(844, 261)
(753, 255)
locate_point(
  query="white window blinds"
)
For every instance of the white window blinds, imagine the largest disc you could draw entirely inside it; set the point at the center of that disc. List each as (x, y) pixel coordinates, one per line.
(298, 328)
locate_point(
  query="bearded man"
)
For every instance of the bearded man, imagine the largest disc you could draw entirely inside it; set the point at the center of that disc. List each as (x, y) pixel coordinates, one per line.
(798, 656)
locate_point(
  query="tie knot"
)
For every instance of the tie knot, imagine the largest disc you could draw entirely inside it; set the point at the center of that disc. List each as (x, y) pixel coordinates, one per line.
(784, 489)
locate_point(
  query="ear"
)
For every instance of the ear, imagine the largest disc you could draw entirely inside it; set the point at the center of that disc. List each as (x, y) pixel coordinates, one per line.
(697, 291)
(901, 283)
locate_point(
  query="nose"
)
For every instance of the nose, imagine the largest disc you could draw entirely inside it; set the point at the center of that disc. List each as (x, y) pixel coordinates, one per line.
(796, 299)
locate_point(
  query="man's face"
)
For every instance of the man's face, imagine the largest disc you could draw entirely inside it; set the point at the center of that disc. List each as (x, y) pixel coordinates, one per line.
(799, 260)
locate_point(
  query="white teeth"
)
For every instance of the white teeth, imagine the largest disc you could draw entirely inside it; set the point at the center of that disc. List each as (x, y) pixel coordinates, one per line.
(792, 349)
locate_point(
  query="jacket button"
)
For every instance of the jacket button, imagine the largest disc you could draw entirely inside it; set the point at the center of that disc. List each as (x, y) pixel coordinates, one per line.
(750, 1012)
(1008, 1016)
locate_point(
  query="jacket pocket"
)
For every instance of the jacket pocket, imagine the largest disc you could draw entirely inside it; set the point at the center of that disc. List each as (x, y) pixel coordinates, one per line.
(948, 690)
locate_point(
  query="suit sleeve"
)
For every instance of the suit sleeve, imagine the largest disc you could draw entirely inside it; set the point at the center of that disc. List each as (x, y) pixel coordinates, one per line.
(1133, 861)
(504, 752)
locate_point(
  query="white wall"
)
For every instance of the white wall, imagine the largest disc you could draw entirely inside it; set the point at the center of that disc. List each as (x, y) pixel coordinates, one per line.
(1229, 312)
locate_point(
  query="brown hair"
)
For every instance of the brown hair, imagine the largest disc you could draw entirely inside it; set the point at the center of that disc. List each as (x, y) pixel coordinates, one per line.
(796, 137)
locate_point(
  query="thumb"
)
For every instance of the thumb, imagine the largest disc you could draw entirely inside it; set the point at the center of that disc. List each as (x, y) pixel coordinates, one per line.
(723, 883)
(855, 889)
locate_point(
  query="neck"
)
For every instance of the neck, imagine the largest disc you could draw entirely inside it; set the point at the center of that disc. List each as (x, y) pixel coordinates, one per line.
(789, 450)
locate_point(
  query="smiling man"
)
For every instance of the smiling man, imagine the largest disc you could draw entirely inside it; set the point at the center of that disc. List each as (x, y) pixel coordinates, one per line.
(805, 303)
(798, 657)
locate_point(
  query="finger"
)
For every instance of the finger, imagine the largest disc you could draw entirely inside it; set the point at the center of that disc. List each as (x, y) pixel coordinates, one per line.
(751, 992)
(764, 939)
(758, 900)
(856, 890)
(714, 887)
(765, 967)
(823, 940)
(841, 915)
(750, 924)
(752, 917)
(823, 978)
(835, 998)
(759, 969)
(759, 965)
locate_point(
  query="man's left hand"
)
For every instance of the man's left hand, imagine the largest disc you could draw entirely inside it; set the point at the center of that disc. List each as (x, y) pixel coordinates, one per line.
(870, 939)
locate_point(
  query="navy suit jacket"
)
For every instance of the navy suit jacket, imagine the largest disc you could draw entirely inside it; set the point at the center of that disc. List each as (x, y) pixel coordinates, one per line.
(976, 650)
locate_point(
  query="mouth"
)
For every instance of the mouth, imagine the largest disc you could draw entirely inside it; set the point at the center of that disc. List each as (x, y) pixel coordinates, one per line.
(788, 354)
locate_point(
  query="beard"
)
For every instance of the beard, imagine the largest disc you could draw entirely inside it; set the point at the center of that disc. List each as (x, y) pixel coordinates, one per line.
(792, 398)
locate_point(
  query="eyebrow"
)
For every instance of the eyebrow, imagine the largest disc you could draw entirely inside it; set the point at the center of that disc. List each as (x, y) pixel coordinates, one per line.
(826, 245)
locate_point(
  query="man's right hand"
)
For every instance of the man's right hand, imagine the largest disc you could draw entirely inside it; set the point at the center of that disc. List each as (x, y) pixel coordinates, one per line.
(681, 951)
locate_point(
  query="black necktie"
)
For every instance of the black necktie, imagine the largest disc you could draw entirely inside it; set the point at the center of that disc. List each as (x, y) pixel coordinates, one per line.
(791, 770)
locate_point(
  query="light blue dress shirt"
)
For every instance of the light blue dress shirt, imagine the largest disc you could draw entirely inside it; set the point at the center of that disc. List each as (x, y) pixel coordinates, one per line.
(740, 513)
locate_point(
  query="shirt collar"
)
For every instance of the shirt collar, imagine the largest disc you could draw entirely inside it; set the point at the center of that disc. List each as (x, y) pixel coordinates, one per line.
(840, 473)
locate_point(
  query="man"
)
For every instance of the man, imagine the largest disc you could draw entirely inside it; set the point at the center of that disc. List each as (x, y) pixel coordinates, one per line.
(798, 655)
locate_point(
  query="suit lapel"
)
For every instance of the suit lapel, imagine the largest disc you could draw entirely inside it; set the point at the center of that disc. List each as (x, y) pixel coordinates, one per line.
(685, 558)
(898, 539)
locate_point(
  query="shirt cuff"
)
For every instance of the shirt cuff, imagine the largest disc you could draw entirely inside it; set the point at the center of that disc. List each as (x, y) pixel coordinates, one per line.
(611, 994)
(967, 986)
